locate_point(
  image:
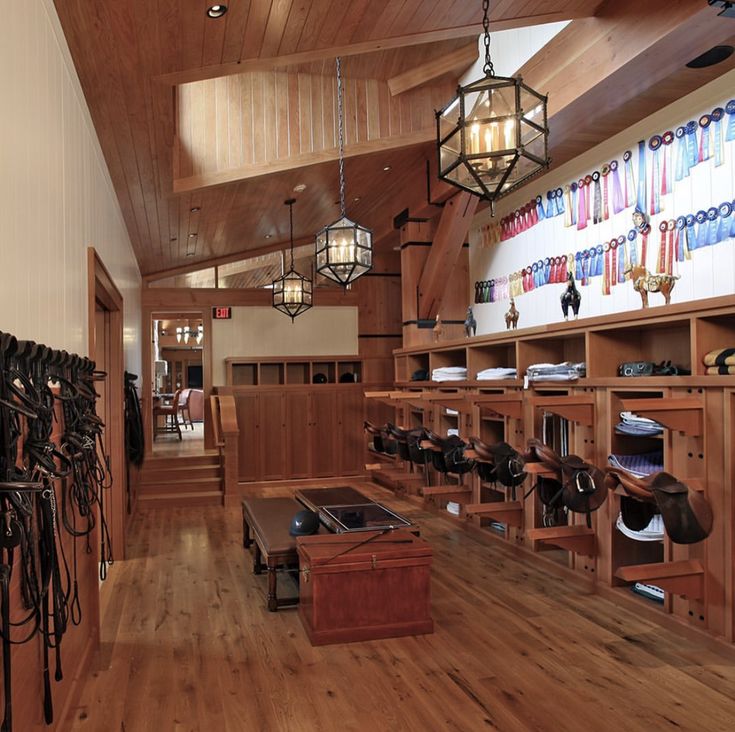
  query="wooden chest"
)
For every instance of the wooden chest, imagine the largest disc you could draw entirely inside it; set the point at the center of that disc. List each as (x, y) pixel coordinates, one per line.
(354, 591)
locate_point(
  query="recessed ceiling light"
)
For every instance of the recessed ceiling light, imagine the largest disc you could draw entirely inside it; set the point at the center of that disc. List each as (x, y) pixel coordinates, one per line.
(268, 236)
(173, 238)
(356, 199)
(300, 188)
(387, 168)
(192, 236)
(216, 11)
(195, 209)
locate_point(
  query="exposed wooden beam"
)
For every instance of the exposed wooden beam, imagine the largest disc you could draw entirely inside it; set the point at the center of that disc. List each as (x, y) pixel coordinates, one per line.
(457, 61)
(218, 178)
(450, 235)
(356, 49)
(606, 73)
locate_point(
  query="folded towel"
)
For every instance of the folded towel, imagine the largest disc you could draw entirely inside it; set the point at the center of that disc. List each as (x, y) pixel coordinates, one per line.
(639, 465)
(723, 370)
(720, 357)
(496, 373)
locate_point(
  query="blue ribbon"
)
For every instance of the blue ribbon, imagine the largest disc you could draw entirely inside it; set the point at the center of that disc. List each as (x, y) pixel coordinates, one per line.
(642, 177)
(681, 223)
(712, 216)
(702, 227)
(717, 114)
(723, 227)
(578, 267)
(633, 247)
(691, 137)
(730, 109)
(600, 269)
(691, 236)
(547, 270)
(574, 204)
(559, 202)
(591, 262)
(621, 258)
(682, 155)
(704, 124)
(655, 147)
(540, 208)
(549, 204)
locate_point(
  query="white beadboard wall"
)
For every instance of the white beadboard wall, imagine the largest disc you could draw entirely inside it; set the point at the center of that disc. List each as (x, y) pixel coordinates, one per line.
(56, 196)
(264, 332)
(711, 271)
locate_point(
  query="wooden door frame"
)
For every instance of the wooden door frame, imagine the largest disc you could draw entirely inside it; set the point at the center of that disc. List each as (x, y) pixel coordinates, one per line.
(148, 309)
(101, 288)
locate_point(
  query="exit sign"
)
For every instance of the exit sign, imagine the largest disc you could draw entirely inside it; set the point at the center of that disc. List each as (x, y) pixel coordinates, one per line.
(222, 313)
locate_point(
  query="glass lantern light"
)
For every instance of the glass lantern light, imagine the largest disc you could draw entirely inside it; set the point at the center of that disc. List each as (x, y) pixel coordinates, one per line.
(493, 136)
(292, 292)
(344, 249)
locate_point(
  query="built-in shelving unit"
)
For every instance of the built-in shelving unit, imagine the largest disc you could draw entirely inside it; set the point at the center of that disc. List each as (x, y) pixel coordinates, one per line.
(697, 413)
(293, 371)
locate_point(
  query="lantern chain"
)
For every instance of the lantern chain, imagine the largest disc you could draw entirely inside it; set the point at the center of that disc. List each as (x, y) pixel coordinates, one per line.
(488, 66)
(341, 134)
(290, 221)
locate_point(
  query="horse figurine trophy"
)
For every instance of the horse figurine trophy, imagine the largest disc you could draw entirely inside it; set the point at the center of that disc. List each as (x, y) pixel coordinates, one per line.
(570, 297)
(511, 317)
(470, 324)
(645, 282)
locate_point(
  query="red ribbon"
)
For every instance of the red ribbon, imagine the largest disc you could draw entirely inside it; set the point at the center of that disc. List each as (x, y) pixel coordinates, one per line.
(606, 281)
(663, 228)
(614, 273)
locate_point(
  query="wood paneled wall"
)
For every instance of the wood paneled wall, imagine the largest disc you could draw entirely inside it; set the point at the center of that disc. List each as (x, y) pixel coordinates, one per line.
(258, 117)
(56, 197)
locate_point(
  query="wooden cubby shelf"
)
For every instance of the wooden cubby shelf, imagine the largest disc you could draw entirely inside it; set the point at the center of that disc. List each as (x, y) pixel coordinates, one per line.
(540, 469)
(685, 415)
(575, 538)
(576, 407)
(446, 491)
(507, 512)
(506, 405)
(684, 577)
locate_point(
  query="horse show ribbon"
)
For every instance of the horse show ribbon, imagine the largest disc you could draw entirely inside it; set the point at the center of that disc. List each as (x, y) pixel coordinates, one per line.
(618, 200)
(704, 122)
(682, 155)
(682, 251)
(605, 192)
(702, 226)
(713, 214)
(573, 205)
(568, 211)
(622, 258)
(588, 196)
(663, 227)
(691, 137)
(691, 235)
(723, 231)
(732, 225)
(667, 183)
(730, 110)
(560, 210)
(644, 245)
(633, 248)
(654, 145)
(606, 276)
(540, 213)
(629, 179)
(717, 114)
(550, 209)
(671, 253)
(582, 209)
(642, 183)
(597, 201)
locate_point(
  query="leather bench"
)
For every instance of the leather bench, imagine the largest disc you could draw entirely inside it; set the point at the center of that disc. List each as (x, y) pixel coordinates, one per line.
(266, 523)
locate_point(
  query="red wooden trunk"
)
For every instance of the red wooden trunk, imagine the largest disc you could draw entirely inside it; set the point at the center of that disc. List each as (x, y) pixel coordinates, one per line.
(378, 590)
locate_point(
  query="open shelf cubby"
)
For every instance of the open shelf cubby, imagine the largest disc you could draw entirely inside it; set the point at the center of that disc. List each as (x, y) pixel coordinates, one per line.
(297, 373)
(245, 374)
(325, 368)
(712, 333)
(551, 349)
(271, 374)
(345, 369)
(665, 341)
(480, 358)
(448, 358)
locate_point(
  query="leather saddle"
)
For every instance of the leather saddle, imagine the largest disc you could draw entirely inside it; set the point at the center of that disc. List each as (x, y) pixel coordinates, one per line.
(686, 513)
(578, 486)
(447, 453)
(498, 463)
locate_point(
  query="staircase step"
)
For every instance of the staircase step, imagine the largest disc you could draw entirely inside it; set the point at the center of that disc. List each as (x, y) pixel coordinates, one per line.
(175, 500)
(178, 461)
(180, 473)
(175, 487)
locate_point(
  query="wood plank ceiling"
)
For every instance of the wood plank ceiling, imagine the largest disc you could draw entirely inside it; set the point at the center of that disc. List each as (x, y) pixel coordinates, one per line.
(132, 54)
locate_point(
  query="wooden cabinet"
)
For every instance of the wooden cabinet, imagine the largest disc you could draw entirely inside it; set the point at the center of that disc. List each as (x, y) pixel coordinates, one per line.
(272, 427)
(248, 419)
(351, 445)
(298, 435)
(323, 433)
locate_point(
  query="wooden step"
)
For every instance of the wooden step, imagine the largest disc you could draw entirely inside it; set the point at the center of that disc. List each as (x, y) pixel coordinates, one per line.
(507, 512)
(684, 577)
(175, 487)
(157, 463)
(575, 538)
(179, 473)
(183, 500)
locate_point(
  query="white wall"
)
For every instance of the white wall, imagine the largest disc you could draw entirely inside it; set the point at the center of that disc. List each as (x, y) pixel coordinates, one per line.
(710, 272)
(264, 332)
(56, 197)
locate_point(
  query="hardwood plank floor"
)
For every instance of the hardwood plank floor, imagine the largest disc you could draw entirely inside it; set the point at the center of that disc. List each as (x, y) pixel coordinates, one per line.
(187, 644)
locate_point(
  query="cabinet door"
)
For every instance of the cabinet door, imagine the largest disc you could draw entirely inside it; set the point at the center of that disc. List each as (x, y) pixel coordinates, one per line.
(298, 435)
(351, 441)
(272, 437)
(248, 418)
(323, 429)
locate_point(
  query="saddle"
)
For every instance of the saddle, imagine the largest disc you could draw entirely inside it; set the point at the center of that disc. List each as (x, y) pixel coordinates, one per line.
(499, 463)
(376, 434)
(686, 513)
(578, 486)
(447, 454)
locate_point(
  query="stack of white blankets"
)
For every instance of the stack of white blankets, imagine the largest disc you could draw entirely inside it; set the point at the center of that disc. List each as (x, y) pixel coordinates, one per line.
(493, 374)
(449, 373)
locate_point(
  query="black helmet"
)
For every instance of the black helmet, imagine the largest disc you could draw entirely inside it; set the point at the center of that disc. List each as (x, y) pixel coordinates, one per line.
(304, 523)
(319, 378)
(347, 378)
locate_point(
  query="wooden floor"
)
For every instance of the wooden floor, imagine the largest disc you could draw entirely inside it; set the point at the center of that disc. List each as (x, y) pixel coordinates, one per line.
(188, 645)
(191, 442)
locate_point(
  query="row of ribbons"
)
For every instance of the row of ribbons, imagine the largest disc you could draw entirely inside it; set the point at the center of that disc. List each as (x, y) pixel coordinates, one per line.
(615, 259)
(591, 199)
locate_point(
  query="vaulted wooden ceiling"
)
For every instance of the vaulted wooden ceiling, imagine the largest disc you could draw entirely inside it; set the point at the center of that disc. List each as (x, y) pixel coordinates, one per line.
(208, 124)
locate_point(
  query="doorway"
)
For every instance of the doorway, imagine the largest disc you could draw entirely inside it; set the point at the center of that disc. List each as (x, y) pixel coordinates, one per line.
(105, 348)
(178, 369)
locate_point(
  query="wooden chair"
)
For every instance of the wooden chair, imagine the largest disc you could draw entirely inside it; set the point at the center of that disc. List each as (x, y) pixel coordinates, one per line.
(184, 408)
(170, 414)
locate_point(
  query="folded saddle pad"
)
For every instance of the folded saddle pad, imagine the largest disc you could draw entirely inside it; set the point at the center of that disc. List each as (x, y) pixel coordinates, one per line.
(720, 357)
(724, 370)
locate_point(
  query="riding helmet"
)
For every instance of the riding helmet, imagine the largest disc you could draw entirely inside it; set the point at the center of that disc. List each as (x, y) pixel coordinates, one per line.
(304, 523)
